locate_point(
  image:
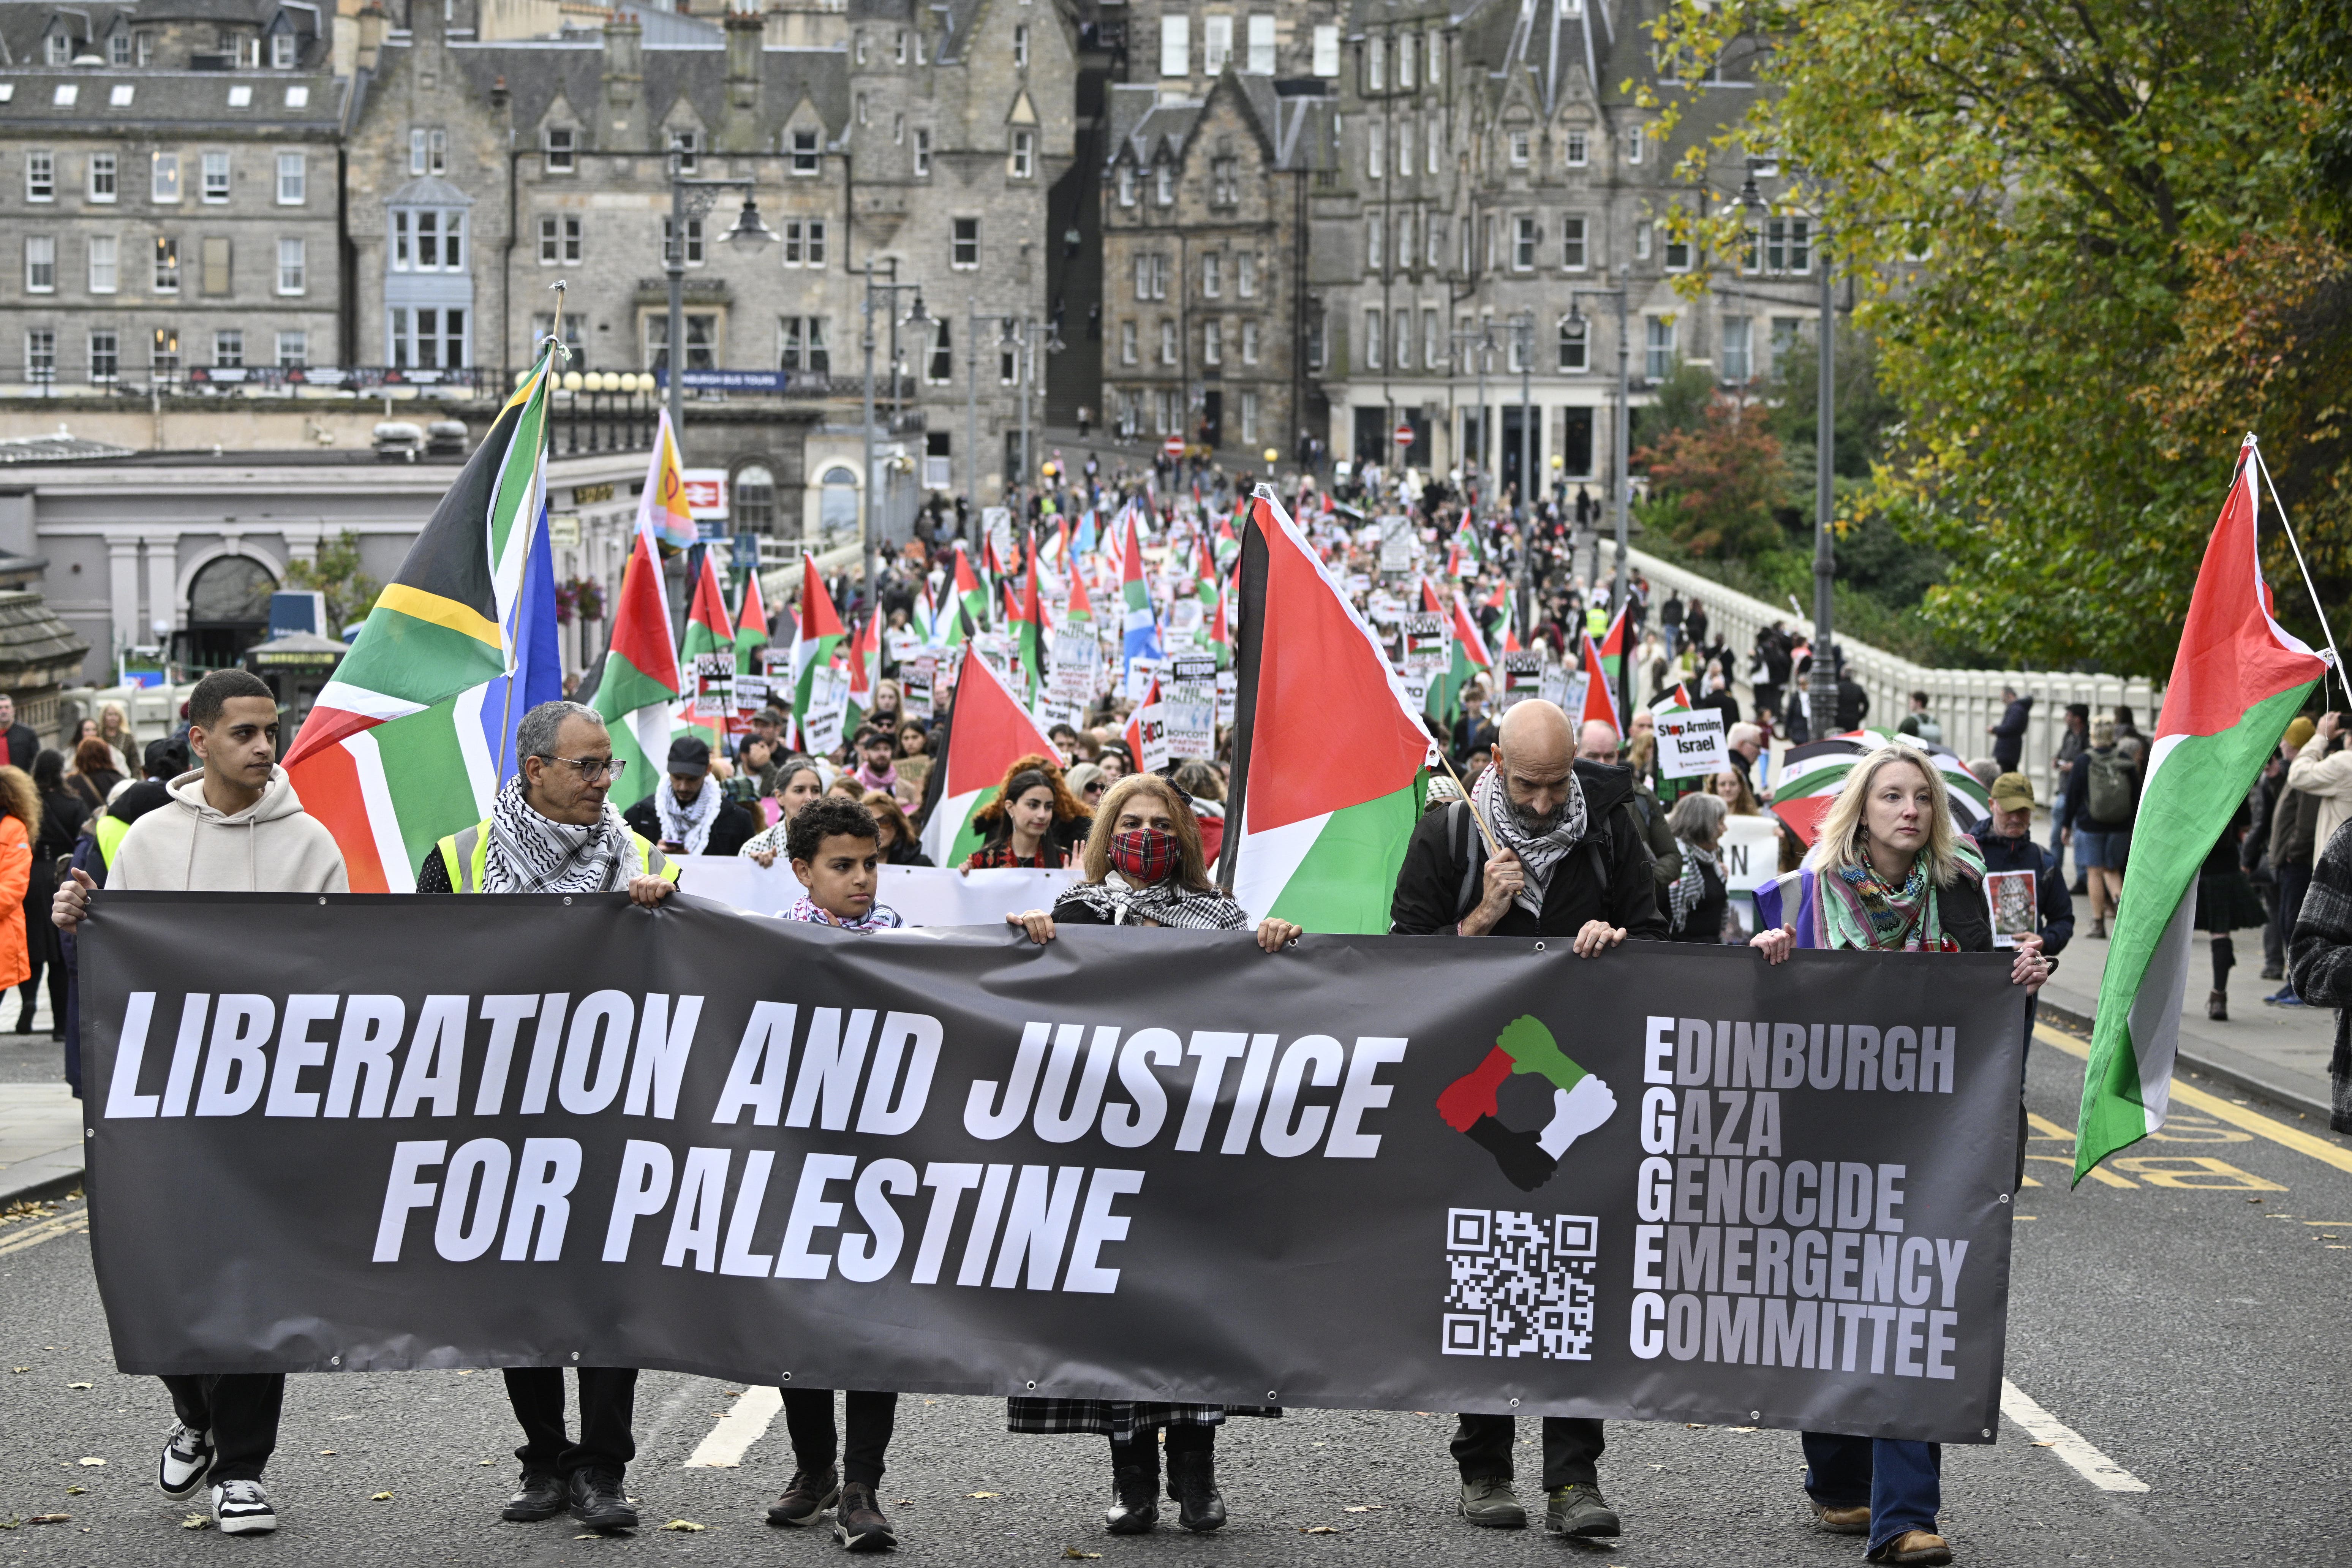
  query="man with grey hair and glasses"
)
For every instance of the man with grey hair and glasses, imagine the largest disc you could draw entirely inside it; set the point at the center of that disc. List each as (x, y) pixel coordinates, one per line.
(553, 831)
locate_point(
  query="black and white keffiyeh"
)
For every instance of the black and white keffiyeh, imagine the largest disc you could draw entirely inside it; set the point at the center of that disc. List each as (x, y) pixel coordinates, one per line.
(1689, 887)
(1163, 904)
(1538, 852)
(530, 853)
(690, 824)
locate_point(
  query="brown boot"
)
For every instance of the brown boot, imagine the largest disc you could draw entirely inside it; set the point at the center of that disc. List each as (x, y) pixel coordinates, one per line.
(2216, 1005)
(1916, 1546)
(1843, 1520)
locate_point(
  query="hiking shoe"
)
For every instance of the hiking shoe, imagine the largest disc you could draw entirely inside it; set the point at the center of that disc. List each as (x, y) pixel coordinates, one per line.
(858, 1524)
(540, 1494)
(1135, 1500)
(1192, 1482)
(187, 1460)
(809, 1495)
(1854, 1520)
(596, 1500)
(1578, 1512)
(242, 1508)
(1916, 1546)
(1489, 1500)
(2273, 971)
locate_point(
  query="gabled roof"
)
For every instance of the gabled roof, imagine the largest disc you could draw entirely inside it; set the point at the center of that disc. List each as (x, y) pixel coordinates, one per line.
(29, 100)
(537, 72)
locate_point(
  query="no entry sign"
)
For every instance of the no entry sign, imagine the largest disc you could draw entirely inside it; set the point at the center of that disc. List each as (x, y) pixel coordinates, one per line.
(1402, 434)
(1173, 446)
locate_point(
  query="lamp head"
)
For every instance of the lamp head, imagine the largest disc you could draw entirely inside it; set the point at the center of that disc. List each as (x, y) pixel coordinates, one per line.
(749, 234)
(918, 317)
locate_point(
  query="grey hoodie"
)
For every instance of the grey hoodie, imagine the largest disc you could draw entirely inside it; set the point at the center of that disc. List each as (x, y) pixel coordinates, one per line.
(186, 845)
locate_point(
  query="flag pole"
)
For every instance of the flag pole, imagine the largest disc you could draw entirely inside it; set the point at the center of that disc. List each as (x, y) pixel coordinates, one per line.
(1477, 817)
(530, 538)
(2335, 659)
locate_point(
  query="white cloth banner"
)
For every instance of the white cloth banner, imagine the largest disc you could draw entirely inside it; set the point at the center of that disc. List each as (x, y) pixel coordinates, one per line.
(923, 895)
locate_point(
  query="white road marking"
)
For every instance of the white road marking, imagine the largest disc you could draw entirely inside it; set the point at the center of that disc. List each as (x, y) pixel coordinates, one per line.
(736, 1430)
(2066, 1443)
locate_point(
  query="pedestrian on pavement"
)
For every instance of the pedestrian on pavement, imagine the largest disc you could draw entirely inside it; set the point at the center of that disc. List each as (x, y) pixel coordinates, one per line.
(90, 773)
(689, 815)
(836, 852)
(20, 824)
(2072, 740)
(798, 782)
(2102, 799)
(1033, 820)
(1143, 866)
(552, 830)
(2321, 961)
(2323, 768)
(1697, 904)
(2009, 734)
(2226, 901)
(60, 822)
(2007, 844)
(1895, 875)
(1853, 702)
(234, 828)
(1920, 722)
(1745, 744)
(1568, 858)
(18, 745)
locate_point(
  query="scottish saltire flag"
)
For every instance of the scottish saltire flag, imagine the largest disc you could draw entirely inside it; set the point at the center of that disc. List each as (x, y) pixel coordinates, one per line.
(1084, 543)
(2237, 680)
(399, 750)
(1141, 627)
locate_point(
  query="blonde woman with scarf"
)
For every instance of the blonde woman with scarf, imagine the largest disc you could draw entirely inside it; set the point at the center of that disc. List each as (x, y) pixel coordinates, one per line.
(1892, 873)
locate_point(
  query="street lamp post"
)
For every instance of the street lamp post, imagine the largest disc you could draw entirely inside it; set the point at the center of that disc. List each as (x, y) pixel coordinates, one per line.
(867, 528)
(1021, 337)
(1480, 346)
(1622, 296)
(690, 198)
(1523, 334)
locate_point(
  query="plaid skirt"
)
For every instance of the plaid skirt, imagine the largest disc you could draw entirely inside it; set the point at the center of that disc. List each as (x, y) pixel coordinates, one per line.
(1118, 1419)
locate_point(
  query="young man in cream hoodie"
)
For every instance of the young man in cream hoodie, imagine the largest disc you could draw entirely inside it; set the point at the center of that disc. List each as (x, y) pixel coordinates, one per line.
(235, 825)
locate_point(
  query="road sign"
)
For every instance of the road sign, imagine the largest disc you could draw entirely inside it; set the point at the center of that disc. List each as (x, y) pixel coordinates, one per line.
(1173, 446)
(1402, 434)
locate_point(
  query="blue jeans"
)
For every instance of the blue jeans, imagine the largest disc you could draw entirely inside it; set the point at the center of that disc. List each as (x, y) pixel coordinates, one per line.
(1902, 1481)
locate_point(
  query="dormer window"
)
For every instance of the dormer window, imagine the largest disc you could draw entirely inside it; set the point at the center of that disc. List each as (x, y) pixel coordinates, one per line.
(562, 146)
(898, 46)
(283, 49)
(804, 151)
(1021, 46)
(1165, 177)
(1127, 185)
(59, 49)
(688, 145)
(118, 49)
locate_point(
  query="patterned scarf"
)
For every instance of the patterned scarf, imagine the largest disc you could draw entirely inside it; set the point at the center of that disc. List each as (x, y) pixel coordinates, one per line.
(1690, 888)
(530, 853)
(878, 916)
(1538, 852)
(688, 825)
(1167, 902)
(1855, 909)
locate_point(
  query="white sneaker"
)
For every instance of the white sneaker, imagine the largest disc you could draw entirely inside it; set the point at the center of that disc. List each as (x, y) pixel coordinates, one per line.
(187, 1460)
(242, 1508)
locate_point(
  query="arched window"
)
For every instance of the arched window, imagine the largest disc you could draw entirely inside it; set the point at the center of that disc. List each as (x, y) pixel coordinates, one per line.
(231, 590)
(755, 499)
(837, 508)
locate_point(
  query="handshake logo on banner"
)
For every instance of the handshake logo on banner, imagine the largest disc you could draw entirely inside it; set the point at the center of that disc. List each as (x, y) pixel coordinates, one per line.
(1580, 1103)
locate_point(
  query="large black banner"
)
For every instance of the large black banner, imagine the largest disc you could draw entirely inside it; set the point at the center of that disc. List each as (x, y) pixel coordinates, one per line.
(356, 1134)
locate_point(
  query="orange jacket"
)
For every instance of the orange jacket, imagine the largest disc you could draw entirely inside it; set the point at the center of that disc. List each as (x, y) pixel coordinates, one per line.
(15, 875)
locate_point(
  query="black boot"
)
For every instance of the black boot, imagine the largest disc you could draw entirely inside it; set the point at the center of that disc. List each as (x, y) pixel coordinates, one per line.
(540, 1494)
(1192, 1482)
(1135, 1500)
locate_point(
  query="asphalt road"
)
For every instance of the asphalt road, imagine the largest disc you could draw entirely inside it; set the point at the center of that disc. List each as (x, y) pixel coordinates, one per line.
(2191, 1335)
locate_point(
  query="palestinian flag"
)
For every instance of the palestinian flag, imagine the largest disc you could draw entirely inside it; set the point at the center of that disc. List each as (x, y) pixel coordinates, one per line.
(1133, 733)
(988, 731)
(638, 690)
(1811, 775)
(1466, 540)
(818, 635)
(1599, 698)
(1503, 602)
(1221, 638)
(750, 627)
(2237, 680)
(708, 634)
(1328, 755)
(662, 506)
(1229, 547)
(865, 667)
(408, 742)
(1079, 613)
(1027, 624)
(966, 600)
(1444, 700)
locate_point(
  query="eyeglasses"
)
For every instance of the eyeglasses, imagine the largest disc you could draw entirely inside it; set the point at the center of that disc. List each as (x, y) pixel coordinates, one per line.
(592, 769)
(1092, 789)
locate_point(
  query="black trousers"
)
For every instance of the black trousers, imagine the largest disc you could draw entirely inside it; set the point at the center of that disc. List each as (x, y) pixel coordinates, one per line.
(1572, 1446)
(608, 1401)
(1143, 1453)
(808, 1416)
(239, 1409)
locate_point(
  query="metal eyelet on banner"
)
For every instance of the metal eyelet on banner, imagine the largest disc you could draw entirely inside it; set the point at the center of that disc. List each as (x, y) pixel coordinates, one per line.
(322, 898)
(1756, 1416)
(1987, 1431)
(1515, 1404)
(1033, 1382)
(567, 898)
(575, 1355)
(784, 1377)
(1272, 1397)
(2004, 1197)
(334, 1361)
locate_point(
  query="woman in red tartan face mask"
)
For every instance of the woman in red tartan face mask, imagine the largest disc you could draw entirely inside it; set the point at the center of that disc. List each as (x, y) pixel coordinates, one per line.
(1144, 867)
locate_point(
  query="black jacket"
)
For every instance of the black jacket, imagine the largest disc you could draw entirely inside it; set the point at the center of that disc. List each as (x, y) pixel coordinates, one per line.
(733, 828)
(1444, 875)
(2009, 735)
(2023, 854)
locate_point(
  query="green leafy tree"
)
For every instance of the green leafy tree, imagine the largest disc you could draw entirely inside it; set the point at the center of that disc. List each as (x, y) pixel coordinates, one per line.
(351, 592)
(1713, 489)
(2038, 205)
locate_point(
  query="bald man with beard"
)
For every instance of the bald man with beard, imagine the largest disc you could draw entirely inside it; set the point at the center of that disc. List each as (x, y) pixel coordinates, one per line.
(1569, 860)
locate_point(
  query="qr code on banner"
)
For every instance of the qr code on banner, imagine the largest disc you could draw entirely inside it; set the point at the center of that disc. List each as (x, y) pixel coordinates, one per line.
(1522, 1284)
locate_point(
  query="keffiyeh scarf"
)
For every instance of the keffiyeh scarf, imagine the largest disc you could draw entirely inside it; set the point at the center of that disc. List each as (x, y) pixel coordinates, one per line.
(690, 824)
(530, 853)
(1690, 888)
(880, 917)
(1854, 908)
(1538, 852)
(1167, 902)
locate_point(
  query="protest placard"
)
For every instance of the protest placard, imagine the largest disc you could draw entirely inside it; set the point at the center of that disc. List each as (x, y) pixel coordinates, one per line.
(828, 707)
(1523, 675)
(1188, 706)
(1553, 686)
(1690, 743)
(712, 701)
(1427, 644)
(2014, 914)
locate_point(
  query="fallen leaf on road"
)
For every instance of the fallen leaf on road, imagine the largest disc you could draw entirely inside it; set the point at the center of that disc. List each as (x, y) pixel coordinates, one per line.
(325, 1453)
(590, 1536)
(685, 1524)
(734, 1394)
(78, 1385)
(488, 1462)
(198, 1521)
(1361, 1507)
(50, 1518)
(984, 1494)
(94, 1464)
(1072, 1551)
(1319, 1529)
(2049, 1445)
(467, 1370)
(381, 1497)
(903, 1502)
(20, 1369)
(76, 1492)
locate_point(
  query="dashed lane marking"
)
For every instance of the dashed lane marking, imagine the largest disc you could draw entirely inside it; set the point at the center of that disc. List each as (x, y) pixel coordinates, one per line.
(723, 1447)
(2066, 1443)
(2253, 1121)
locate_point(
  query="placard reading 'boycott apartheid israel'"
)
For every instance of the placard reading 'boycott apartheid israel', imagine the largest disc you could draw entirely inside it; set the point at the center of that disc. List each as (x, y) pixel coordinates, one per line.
(1396, 1172)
